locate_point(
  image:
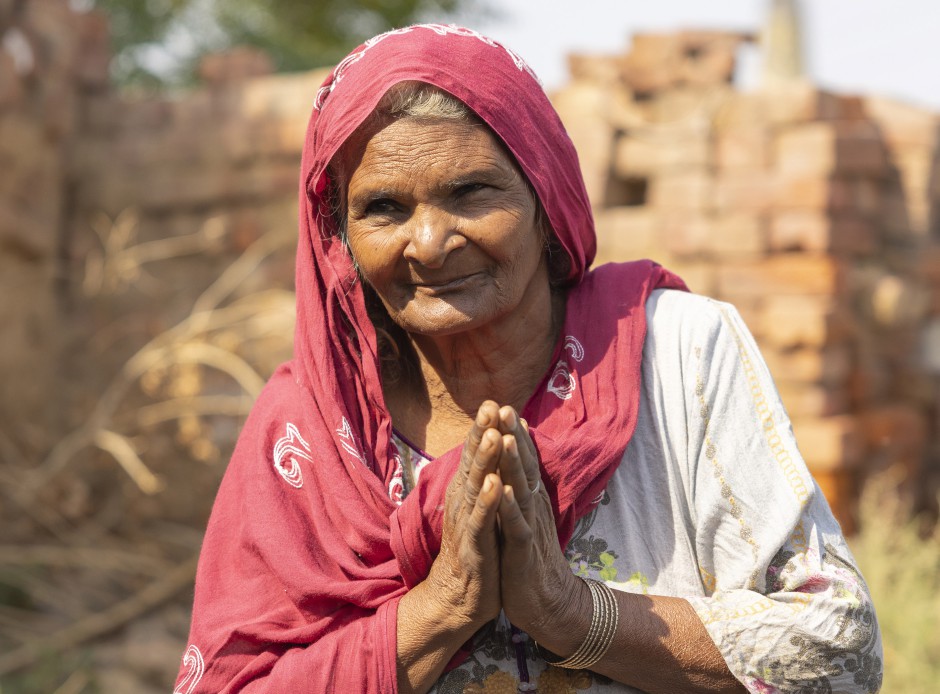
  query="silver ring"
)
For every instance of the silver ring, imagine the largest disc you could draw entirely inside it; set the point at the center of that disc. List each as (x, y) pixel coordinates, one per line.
(538, 485)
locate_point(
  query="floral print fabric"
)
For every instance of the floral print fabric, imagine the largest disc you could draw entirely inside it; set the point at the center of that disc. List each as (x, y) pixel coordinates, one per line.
(713, 503)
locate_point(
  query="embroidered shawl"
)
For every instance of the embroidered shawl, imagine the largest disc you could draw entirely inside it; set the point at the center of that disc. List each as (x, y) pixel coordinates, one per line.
(306, 553)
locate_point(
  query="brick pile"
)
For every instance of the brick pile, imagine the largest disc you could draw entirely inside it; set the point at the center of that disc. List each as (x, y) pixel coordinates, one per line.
(49, 58)
(206, 173)
(815, 213)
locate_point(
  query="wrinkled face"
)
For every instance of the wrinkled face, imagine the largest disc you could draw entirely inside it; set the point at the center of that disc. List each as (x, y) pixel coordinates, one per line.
(442, 225)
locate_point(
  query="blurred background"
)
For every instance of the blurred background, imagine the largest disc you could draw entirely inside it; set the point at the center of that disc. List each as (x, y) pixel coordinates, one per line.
(778, 155)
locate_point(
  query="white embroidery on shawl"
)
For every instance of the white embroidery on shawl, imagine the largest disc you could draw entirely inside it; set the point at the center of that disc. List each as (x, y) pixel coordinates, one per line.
(562, 383)
(348, 442)
(192, 659)
(439, 29)
(573, 346)
(286, 447)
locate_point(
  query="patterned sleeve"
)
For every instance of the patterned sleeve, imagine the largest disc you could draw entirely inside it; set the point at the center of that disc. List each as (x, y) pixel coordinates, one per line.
(785, 602)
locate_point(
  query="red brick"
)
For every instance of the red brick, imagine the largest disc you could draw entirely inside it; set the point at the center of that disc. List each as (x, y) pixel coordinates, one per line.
(829, 442)
(234, 65)
(904, 124)
(783, 274)
(750, 191)
(896, 302)
(698, 275)
(866, 197)
(646, 153)
(743, 148)
(653, 62)
(813, 400)
(906, 220)
(625, 233)
(713, 65)
(804, 230)
(785, 105)
(804, 321)
(737, 234)
(684, 107)
(11, 86)
(582, 107)
(813, 192)
(825, 148)
(803, 102)
(870, 380)
(602, 69)
(831, 365)
(840, 487)
(682, 191)
(94, 58)
(900, 427)
(685, 234)
(278, 96)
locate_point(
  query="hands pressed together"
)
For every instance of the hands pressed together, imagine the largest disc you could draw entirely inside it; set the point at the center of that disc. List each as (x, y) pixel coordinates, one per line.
(499, 547)
(500, 550)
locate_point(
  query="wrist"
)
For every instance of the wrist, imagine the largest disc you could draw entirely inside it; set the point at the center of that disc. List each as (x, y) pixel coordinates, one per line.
(567, 619)
(451, 603)
(428, 635)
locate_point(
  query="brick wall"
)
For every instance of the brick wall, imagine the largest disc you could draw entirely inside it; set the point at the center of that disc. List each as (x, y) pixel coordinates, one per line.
(50, 59)
(815, 213)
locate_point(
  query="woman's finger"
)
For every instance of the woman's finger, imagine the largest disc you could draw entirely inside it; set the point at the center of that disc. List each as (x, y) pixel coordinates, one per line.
(482, 518)
(511, 423)
(513, 473)
(526, 439)
(485, 462)
(516, 532)
(487, 418)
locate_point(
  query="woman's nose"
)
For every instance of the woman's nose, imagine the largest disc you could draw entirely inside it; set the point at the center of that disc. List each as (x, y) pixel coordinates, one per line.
(433, 235)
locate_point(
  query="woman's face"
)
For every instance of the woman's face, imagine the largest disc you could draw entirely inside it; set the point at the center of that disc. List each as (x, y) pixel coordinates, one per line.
(442, 225)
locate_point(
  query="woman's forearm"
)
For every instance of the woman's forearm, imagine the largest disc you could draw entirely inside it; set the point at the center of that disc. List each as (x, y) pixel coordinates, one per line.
(660, 646)
(429, 633)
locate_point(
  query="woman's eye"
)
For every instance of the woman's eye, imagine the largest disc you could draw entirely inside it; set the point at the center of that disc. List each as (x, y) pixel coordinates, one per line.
(468, 189)
(382, 206)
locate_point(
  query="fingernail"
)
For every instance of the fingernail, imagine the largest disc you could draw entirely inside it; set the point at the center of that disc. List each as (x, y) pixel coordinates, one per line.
(487, 484)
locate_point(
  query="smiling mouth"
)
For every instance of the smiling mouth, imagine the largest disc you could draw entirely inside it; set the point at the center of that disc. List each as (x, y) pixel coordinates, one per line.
(445, 286)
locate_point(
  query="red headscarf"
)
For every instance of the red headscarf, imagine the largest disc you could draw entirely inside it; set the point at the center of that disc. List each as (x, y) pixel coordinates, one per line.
(306, 553)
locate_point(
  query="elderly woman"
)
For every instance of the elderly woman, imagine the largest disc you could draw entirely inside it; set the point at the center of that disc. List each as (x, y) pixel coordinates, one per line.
(489, 468)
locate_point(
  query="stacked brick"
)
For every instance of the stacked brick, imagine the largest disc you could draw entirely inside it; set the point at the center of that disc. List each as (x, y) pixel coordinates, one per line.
(228, 152)
(814, 213)
(49, 58)
(205, 173)
(214, 168)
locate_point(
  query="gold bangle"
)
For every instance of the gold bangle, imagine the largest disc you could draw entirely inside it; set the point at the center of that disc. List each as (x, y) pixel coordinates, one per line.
(604, 622)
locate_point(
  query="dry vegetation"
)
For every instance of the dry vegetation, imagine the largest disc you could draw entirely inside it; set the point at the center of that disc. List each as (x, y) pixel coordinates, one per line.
(900, 558)
(101, 536)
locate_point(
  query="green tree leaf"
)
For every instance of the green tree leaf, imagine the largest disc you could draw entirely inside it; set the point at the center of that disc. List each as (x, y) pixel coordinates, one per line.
(160, 42)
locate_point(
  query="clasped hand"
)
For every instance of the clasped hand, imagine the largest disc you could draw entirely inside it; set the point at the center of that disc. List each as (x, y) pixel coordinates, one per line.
(499, 546)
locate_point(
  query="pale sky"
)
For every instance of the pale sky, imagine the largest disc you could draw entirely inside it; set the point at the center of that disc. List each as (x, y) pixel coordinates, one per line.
(887, 47)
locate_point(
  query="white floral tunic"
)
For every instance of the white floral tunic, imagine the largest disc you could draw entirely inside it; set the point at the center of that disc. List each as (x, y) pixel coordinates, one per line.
(712, 502)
